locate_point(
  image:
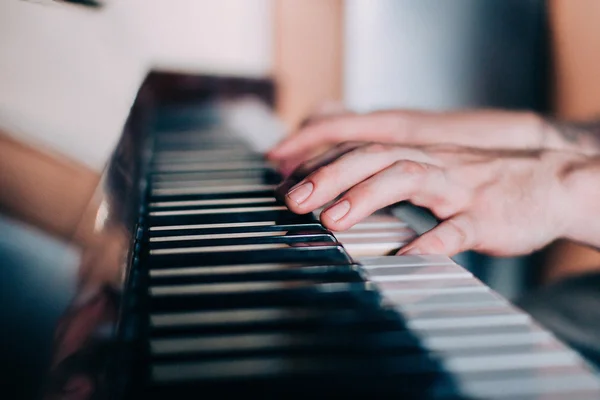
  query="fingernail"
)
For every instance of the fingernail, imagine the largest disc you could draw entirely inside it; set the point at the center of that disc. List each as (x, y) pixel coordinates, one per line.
(301, 193)
(338, 211)
(412, 252)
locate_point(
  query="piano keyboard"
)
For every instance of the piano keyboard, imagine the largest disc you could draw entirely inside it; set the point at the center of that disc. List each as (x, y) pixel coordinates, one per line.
(238, 296)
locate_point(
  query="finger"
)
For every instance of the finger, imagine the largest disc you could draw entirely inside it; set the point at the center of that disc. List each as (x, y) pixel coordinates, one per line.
(372, 127)
(308, 167)
(403, 180)
(350, 169)
(329, 181)
(451, 237)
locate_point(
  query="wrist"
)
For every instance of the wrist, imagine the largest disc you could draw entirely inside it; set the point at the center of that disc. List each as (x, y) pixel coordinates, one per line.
(577, 137)
(581, 204)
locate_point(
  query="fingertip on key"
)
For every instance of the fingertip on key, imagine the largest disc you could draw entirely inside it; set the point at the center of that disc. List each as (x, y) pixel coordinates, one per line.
(337, 211)
(300, 193)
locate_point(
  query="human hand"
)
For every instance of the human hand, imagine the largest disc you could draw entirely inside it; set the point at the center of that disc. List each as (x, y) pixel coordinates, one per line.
(496, 202)
(482, 129)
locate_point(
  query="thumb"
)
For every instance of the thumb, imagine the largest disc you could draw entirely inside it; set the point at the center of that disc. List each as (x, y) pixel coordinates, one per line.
(452, 236)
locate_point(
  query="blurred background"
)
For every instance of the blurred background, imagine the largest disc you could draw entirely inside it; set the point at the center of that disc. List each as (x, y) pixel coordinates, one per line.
(69, 73)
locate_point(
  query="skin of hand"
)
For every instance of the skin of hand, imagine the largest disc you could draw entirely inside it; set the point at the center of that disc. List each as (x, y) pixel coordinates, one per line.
(503, 203)
(481, 129)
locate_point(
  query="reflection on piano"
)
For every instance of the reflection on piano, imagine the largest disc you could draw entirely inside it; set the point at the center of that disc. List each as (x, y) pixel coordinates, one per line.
(199, 282)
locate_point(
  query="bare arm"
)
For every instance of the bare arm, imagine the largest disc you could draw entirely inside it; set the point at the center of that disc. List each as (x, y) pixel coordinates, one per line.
(583, 137)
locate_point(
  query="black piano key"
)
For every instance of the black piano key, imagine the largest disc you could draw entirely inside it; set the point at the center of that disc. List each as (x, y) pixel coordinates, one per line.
(284, 344)
(315, 252)
(211, 166)
(278, 377)
(192, 156)
(238, 189)
(399, 342)
(268, 174)
(223, 234)
(257, 294)
(359, 314)
(280, 214)
(206, 185)
(260, 272)
(165, 232)
(232, 240)
(243, 191)
(211, 204)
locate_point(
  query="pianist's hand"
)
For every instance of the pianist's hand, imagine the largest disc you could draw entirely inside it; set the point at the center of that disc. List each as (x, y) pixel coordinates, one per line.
(481, 129)
(498, 202)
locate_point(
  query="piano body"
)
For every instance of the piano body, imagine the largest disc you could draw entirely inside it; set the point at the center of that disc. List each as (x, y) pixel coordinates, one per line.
(196, 282)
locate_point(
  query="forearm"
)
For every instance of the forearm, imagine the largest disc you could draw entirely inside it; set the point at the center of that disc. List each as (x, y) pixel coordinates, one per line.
(581, 137)
(582, 181)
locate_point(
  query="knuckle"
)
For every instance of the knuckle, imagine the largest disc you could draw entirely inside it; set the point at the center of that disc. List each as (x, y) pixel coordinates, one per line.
(374, 148)
(410, 167)
(463, 228)
(324, 175)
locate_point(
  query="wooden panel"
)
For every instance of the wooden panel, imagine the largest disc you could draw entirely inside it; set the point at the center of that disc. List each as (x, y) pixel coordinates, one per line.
(308, 55)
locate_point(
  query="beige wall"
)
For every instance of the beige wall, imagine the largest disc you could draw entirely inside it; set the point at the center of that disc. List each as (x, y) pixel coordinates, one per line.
(68, 74)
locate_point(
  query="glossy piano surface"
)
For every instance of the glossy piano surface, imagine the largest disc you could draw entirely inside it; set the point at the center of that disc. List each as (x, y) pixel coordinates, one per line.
(183, 274)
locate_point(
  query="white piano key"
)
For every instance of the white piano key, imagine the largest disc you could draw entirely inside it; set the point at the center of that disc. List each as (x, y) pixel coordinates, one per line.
(213, 202)
(568, 386)
(217, 166)
(227, 343)
(418, 277)
(226, 269)
(451, 312)
(469, 322)
(359, 249)
(392, 270)
(213, 226)
(428, 297)
(393, 275)
(394, 286)
(194, 159)
(417, 273)
(219, 249)
(250, 316)
(207, 175)
(223, 288)
(459, 365)
(209, 211)
(213, 190)
(407, 294)
(386, 341)
(207, 183)
(487, 301)
(202, 154)
(486, 341)
(402, 233)
(211, 236)
(373, 225)
(408, 261)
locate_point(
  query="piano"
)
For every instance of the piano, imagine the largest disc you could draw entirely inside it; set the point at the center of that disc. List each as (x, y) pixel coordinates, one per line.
(198, 282)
